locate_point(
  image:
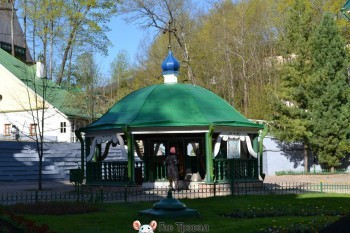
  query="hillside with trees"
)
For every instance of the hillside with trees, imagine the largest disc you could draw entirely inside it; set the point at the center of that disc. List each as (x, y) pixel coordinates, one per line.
(282, 61)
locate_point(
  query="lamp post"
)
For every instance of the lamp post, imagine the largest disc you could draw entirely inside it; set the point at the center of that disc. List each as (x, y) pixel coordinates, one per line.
(346, 10)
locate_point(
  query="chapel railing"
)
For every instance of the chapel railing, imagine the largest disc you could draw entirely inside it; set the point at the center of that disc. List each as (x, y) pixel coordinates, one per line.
(110, 172)
(160, 172)
(226, 170)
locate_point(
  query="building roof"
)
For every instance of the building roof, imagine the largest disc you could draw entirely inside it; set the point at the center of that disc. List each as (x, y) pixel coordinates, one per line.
(5, 32)
(54, 94)
(171, 105)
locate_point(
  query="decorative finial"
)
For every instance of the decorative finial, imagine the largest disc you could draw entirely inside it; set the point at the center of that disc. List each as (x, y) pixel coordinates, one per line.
(170, 67)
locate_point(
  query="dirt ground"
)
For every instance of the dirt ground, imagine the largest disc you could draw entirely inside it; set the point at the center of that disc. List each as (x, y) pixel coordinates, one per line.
(335, 178)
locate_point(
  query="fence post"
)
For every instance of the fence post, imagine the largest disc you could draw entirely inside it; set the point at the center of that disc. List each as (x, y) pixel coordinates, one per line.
(321, 187)
(125, 194)
(77, 190)
(214, 189)
(101, 193)
(232, 176)
(36, 196)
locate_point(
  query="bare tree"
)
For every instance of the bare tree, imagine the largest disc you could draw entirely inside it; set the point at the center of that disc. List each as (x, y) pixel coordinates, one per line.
(38, 116)
(158, 14)
(37, 108)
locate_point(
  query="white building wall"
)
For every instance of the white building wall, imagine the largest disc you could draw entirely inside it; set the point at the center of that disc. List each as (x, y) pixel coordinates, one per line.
(15, 95)
(52, 125)
(281, 157)
(18, 105)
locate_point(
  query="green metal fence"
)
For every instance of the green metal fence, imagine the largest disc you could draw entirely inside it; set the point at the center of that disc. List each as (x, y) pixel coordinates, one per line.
(139, 194)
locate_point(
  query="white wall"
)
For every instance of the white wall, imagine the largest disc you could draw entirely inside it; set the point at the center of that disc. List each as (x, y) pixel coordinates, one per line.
(279, 157)
(52, 123)
(18, 106)
(15, 94)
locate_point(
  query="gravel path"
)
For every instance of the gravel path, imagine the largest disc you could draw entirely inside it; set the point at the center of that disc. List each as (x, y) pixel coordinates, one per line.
(339, 178)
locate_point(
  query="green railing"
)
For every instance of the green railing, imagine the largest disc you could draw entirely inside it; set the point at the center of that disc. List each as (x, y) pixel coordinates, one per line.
(161, 173)
(237, 169)
(157, 169)
(106, 172)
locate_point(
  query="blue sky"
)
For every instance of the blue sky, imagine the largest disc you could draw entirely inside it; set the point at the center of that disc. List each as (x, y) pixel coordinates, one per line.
(123, 36)
(128, 37)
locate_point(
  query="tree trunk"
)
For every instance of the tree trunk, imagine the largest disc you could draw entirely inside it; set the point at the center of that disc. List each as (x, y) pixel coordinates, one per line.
(65, 57)
(70, 43)
(25, 30)
(245, 96)
(51, 51)
(40, 186)
(306, 161)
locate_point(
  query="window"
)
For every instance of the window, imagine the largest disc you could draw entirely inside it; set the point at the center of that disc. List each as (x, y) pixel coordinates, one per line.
(230, 148)
(63, 127)
(233, 148)
(159, 149)
(32, 129)
(7, 129)
(193, 149)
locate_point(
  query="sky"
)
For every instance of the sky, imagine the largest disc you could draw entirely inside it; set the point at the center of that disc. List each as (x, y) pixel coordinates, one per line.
(128, 37)
(123, 36)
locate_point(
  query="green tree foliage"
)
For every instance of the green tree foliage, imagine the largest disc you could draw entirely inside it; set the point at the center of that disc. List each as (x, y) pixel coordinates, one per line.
(121, 77)
(174, 17)
(85, 85)
(226, 47)
(329, 94)
(62, 25)
(231, 47)
(292, 115)
(120, 67)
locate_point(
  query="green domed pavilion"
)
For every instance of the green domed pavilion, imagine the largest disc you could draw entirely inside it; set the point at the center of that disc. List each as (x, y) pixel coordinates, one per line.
(209, 135)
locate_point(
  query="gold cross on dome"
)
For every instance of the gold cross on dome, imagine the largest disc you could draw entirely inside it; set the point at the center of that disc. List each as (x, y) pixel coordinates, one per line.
(171, 29)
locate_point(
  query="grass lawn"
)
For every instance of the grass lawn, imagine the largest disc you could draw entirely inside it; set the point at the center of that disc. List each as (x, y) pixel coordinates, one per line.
(287, 213)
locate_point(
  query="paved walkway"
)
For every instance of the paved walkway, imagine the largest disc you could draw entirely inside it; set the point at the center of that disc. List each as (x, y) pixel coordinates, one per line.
(66, 185)
(31, 186)
(338, 178)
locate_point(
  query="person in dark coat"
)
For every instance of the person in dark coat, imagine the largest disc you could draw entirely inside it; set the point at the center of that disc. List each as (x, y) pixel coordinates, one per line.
(171, 163)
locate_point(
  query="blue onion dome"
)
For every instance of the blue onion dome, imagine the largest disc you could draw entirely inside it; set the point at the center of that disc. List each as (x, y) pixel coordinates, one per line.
(170, 65)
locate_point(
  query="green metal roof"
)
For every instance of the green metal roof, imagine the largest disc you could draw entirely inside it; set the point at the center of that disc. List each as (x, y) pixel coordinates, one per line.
(345, 9)
(346, 5)
(54, 94)
(171, 105)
